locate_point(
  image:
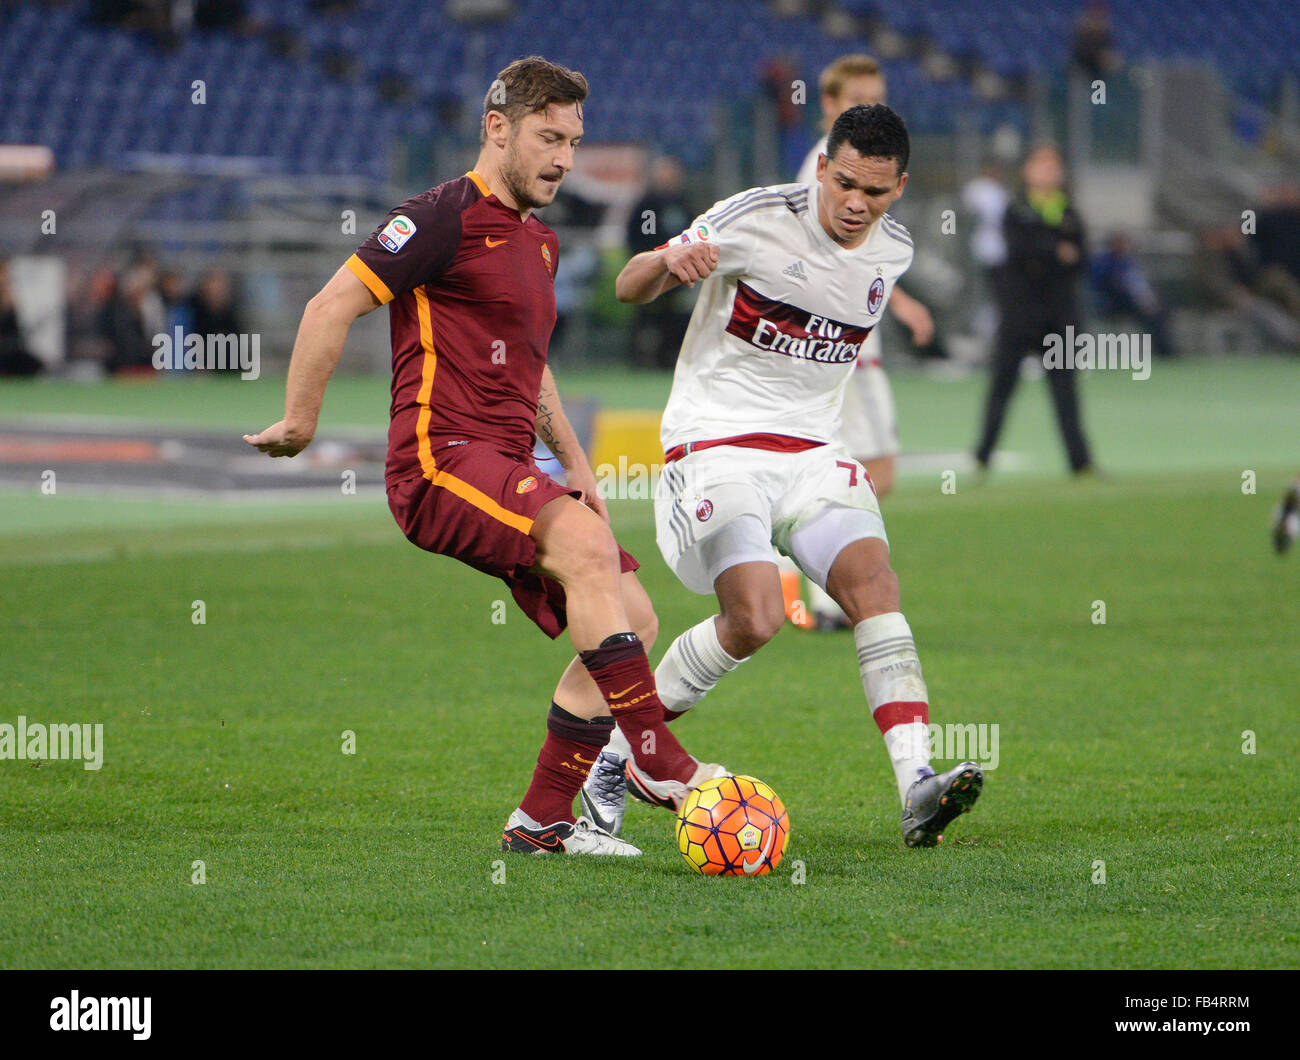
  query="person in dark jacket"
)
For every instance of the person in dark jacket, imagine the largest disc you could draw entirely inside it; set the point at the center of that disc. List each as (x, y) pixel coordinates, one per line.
(1039, 297)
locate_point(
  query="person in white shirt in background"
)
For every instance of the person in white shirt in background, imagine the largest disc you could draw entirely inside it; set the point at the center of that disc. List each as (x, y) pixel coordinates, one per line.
(985, 198)
(869, 429)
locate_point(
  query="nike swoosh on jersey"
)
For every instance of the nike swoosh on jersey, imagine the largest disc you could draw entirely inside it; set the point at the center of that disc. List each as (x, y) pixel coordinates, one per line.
(488, 241)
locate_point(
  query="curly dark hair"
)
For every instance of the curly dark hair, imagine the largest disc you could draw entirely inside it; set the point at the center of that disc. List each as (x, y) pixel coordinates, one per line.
(874, 131)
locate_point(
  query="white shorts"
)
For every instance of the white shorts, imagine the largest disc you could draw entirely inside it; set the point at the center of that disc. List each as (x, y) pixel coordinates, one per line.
(727, 505)
(868, 427)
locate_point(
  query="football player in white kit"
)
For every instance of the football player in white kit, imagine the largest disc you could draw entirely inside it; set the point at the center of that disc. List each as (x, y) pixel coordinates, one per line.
(795, 277)
(869, 428)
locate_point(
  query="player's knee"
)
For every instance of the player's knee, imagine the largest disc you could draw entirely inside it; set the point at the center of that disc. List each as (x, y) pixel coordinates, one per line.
(575, 544)
(647, 628)
(754, 623)
(593, 553)
(876, 592)
(640, 611)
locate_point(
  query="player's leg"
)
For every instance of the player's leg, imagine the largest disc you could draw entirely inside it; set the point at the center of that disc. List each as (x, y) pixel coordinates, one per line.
(862, 581)
(751, 612)
(750, 609)
(577, 692)
(827, 613)
(865, 584)
(475, 511)
(714, 528)
(714, 533)
(792, 592)
(604, 792)
(832, 526)
(869, 428)
(576, 548)
(736, 560)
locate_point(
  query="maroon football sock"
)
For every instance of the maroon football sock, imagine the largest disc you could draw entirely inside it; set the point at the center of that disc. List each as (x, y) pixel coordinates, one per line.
(622, 673)
(563, 763)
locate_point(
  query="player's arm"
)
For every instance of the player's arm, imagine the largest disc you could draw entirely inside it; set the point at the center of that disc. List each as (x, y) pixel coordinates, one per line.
(554, 429)
(913, 315)
(651, 273)
(321, 334)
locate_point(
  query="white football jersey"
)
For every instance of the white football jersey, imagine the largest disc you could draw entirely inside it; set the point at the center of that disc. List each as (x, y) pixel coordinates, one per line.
(781, 321)
(807, 175)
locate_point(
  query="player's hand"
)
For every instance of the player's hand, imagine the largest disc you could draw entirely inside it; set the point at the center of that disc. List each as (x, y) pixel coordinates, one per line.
(583, 478)
(1067, 253)
(691, 262)
(280, 439)
(919, 322)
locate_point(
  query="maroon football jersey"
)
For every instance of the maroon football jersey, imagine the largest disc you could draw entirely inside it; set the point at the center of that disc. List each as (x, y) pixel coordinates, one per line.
(471, 296)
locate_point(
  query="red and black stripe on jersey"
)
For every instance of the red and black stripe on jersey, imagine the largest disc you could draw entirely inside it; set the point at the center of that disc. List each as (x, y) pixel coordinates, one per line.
(779, 327)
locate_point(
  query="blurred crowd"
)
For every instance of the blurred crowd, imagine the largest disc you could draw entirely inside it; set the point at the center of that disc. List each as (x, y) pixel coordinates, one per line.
(1252, 266)
(114, 316)
(1245, 276)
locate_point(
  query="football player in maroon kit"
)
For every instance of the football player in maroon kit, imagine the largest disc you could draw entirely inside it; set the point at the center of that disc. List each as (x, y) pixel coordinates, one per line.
(468, 273)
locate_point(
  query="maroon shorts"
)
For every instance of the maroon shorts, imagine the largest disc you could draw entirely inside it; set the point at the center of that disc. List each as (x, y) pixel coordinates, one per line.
(479, 508)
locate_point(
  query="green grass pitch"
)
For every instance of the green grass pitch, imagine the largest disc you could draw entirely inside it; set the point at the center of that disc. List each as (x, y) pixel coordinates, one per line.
(1119, 742)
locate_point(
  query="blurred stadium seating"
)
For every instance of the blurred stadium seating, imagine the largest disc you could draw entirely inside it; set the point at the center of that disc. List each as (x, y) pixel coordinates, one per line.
(370, 99)
(129, 97)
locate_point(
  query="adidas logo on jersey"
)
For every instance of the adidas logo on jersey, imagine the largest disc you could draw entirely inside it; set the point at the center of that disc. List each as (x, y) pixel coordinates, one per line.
(795, 272)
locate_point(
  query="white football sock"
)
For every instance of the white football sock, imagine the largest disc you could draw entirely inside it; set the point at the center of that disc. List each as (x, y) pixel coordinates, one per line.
(690, 668)
(891, 677)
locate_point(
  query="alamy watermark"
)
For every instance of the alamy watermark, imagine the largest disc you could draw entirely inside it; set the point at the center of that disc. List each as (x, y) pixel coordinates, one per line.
(58, 742)
(965, 743)
(1125, 353)
(627, 480)
(213, 353)
(77, 1013)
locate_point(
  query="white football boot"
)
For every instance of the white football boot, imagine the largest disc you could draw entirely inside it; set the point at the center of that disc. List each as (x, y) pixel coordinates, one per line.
(670, 794)
(604, 794)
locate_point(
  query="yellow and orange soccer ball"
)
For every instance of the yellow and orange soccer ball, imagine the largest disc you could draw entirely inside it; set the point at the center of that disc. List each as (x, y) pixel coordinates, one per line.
(733, 826)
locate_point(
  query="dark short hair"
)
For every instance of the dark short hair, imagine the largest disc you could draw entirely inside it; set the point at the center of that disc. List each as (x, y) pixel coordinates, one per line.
(530, 85)
(874, 131)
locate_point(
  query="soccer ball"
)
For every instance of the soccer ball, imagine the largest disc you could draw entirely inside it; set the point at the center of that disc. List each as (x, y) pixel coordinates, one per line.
(732, 826)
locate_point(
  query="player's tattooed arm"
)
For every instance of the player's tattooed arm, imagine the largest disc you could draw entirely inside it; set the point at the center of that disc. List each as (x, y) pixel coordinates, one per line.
(554, 429)
(650, 274)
